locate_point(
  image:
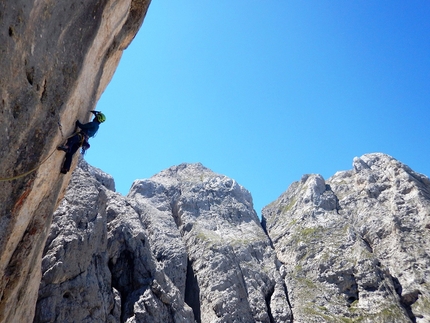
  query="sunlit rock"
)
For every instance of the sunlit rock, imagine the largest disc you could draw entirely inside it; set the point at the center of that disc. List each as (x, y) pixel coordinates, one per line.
(355, 247)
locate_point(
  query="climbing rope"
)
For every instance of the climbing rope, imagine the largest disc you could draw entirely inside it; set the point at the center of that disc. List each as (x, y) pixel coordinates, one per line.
(29, 172)
(35, 168)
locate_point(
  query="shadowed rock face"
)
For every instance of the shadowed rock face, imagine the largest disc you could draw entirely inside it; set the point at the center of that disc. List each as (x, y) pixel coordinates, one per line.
(56, 58)
(357, 245)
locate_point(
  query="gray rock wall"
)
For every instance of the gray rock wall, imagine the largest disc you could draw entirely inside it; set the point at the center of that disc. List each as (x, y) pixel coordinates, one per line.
(232, 269)
(187, 246)
(356, 247)
(98, 264)
(183, 246)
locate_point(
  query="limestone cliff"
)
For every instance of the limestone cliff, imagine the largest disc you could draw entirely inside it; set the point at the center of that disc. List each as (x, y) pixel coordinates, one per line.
(232, 272)
(357, 245)
(98, 264)
(183, 246)
(56, 58)
(187, 246)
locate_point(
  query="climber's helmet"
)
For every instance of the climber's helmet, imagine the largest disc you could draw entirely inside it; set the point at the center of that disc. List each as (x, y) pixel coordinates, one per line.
(100, 117)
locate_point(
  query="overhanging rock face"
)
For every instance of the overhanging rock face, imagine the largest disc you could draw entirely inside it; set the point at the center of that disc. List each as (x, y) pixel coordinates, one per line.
(56, 58)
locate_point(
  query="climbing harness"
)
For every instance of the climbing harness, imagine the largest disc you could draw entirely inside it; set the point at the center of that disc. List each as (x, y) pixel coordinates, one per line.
(83, 142)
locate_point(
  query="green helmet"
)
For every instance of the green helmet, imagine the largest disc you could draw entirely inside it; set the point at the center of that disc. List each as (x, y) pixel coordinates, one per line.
(100, 117)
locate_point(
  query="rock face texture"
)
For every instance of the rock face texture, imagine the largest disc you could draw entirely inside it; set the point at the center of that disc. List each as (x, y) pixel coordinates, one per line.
(232, 272)
(183, 246)
(98, 265)
(56, 58)
(356, 248)
(187, 246)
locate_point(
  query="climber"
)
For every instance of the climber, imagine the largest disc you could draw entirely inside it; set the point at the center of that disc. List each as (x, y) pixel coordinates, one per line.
(80, 139)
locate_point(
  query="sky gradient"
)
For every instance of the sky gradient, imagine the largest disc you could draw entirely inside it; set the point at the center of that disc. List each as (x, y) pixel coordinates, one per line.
(266, 91)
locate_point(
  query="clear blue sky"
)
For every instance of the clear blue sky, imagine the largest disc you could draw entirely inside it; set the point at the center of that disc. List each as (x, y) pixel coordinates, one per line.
(266, 91)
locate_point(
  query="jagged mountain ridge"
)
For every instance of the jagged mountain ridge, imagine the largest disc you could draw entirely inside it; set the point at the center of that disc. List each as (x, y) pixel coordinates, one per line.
(187, 246)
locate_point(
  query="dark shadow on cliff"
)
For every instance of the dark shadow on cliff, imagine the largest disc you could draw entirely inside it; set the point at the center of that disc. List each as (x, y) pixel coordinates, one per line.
(129, 286)
(192, 292)
(407, 299)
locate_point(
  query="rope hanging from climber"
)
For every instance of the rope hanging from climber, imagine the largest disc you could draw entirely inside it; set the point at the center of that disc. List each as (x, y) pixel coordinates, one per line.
(77, 140)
